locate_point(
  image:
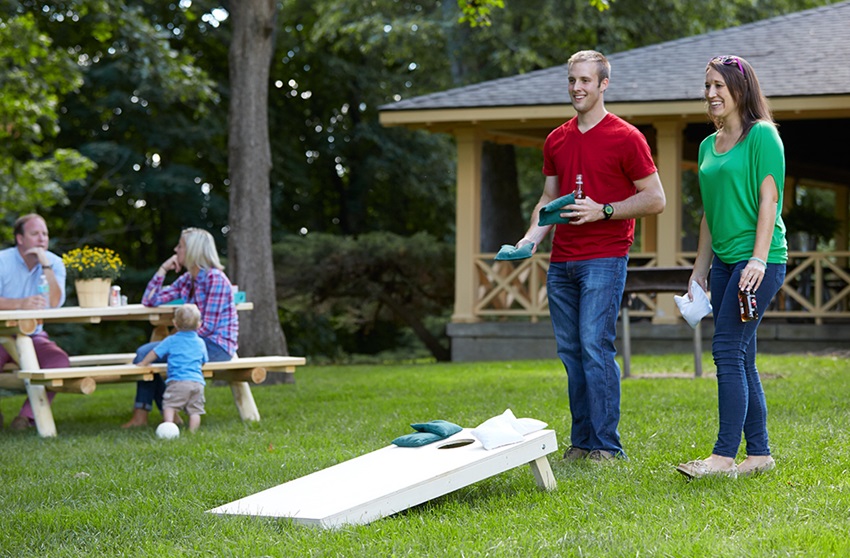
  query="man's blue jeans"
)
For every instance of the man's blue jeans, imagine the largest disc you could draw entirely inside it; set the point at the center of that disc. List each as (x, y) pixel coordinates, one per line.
(584, 301)
(740, 397)
(150, 392)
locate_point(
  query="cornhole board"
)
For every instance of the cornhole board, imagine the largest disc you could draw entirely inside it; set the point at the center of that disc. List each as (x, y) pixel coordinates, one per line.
(392, 479)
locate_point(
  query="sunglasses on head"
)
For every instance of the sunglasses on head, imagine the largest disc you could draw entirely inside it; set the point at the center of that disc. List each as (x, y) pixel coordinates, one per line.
(728, 61)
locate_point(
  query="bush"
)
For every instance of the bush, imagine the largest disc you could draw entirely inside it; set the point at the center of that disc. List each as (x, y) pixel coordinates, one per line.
(365, 295)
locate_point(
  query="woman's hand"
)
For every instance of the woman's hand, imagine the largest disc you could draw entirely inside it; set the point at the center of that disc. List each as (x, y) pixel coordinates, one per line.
(700, 279)
(169, 265)
(751, 276)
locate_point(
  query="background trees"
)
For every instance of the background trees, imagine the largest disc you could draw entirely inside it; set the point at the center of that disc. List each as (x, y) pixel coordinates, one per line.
(35, 76)
(114, 121)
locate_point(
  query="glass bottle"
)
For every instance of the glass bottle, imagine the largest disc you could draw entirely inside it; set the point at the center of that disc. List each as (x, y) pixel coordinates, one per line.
(115, 296)
(579, 193)
(747, 305)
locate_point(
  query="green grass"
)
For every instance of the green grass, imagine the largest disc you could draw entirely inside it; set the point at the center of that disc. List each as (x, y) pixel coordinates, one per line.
(98, 490)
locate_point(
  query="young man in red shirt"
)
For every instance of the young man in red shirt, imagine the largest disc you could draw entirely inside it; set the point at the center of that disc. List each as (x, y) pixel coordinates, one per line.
(587, 272)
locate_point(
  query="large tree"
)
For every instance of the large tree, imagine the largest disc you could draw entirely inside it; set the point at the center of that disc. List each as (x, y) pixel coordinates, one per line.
(249, 161)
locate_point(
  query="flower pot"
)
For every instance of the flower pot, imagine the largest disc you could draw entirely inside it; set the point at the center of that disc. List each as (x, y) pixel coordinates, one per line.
(93, 293)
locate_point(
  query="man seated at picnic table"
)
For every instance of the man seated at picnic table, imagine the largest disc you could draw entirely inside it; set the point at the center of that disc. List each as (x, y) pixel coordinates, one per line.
(21, 267)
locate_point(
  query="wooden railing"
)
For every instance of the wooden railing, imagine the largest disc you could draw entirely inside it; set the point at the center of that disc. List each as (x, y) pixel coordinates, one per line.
(817, 287)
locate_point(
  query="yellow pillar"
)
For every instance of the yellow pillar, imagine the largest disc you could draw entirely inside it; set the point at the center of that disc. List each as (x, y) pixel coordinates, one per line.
(468, 223)
(669, 223)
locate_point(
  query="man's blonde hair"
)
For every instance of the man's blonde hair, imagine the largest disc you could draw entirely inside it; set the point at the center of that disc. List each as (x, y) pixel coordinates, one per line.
(200, 250)
(187, 317)
(603, 67)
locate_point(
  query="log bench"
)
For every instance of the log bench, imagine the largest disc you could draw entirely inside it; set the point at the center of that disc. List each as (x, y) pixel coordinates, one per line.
(88, 371)
(93, 360)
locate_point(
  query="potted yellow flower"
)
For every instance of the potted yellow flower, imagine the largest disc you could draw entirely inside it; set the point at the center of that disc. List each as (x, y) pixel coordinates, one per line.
(92, 270)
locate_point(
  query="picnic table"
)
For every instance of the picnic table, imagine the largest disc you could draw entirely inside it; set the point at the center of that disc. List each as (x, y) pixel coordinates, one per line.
(89, 370)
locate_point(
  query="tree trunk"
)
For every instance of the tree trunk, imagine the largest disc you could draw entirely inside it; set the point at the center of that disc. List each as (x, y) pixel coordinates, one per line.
(249, 160)
(501, 214)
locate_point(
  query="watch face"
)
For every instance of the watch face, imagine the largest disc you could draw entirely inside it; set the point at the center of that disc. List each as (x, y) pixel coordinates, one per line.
(608, 209)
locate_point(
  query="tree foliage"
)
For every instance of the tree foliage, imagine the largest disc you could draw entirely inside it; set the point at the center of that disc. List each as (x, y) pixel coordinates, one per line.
(34, 77)
(336, 169)
(143, 112)
(478, 12)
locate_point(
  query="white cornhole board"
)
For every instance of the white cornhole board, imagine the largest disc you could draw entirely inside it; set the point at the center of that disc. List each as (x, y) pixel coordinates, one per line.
(392, 479)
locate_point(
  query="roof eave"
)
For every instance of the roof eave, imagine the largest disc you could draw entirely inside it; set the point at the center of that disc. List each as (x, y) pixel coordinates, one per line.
(519, 117)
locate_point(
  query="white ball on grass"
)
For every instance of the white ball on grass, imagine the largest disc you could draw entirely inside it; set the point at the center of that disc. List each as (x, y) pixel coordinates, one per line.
(167, 431)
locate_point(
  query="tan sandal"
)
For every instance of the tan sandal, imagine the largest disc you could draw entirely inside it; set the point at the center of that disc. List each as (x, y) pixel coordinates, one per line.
(699, 468)
(745, 469)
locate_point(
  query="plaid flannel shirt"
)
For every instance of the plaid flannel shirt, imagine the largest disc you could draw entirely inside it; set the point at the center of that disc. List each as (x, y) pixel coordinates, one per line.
(212, 292)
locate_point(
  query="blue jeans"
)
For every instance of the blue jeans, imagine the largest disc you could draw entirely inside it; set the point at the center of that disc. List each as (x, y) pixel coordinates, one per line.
(740, 397)
(584, 301)
(150, 392)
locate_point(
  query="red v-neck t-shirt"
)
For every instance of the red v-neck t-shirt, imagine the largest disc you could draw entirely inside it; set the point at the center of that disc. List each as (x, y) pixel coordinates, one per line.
(611, 156)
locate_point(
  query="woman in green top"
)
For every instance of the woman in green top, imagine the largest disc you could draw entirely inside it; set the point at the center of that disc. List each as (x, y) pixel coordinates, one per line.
(742, 241)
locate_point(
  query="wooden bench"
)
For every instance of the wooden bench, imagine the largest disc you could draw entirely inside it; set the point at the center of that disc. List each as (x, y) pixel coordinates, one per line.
(85, 386)
(93, 360)
(113, 368)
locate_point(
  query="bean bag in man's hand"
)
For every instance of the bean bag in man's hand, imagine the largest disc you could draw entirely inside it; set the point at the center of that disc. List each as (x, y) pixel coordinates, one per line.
(511, 252)
(550, 214)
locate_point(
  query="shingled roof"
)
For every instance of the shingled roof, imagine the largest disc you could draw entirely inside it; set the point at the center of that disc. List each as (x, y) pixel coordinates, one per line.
(801, 54)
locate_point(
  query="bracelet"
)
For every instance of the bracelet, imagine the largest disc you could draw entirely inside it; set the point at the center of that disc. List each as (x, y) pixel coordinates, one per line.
(48, 266)
(759, 260)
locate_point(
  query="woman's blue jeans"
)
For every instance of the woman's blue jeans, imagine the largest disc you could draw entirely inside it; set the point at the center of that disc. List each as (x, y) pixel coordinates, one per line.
(150, 392)
(740, 397)
(584, 301)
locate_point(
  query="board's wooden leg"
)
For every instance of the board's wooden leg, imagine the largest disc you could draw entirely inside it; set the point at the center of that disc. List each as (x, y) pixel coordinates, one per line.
(543, 475)
(41, 411)
(244, 400)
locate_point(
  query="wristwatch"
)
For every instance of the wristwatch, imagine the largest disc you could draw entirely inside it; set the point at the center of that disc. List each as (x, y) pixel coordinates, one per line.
(608, 211)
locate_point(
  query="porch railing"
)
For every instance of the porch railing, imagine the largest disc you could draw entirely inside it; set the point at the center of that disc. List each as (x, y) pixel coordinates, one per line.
(817, 287)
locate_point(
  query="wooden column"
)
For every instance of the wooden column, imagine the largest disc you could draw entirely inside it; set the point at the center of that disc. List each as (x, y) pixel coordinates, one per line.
(468, 223)
(669, 223)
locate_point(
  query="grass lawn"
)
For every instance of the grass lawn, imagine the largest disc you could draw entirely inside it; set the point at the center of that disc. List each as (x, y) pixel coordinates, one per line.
(98, 490)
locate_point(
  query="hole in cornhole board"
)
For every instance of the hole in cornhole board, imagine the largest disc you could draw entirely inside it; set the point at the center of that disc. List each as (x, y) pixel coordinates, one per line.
(453, 444)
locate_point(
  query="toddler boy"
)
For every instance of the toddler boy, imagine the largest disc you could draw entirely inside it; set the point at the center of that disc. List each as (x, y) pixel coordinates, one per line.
(185, 352)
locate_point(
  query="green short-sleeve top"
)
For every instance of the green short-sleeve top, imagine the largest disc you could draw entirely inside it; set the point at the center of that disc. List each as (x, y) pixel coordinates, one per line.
(730, 183)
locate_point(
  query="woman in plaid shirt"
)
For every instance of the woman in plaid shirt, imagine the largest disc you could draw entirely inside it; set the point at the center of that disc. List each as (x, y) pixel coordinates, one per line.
(203, 284)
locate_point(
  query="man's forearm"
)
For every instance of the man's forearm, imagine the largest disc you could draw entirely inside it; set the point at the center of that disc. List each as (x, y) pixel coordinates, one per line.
(11, 303)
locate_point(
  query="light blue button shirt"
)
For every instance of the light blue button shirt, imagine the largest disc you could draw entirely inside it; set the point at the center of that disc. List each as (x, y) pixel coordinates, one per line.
(17, 281)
